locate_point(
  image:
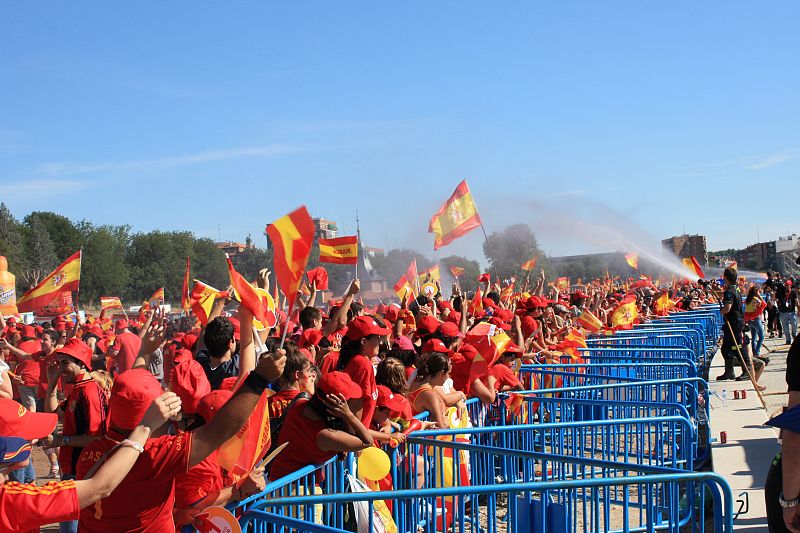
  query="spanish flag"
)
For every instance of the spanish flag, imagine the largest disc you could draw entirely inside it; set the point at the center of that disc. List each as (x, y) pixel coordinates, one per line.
(185, 295)
(292, 237)
(65, 278)
(507, 293)
(693, 266)
(529, 265)
(252, 299)
(663, 304)
(157, 297)
(202, 300)
(625, 314)
(407, 284)
(589, 322)
(457, 216)
(340, 251)
(431, 275)
(110, 302)
(562, 284)
(476, 305)
(456, 271)
(632, 260)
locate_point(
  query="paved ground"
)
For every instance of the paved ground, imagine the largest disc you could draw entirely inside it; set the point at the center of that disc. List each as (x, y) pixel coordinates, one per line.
(745, 459)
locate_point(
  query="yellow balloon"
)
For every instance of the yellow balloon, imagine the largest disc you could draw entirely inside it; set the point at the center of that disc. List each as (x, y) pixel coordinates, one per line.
(373, 464)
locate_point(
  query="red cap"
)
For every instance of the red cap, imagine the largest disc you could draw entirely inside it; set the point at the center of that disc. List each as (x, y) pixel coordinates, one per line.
(309, 337)
(444, 304)
(427, 325)
(29, 331)
(38, 329)
(488, 303)
(391, 313)
(499, 323)
(17, 421)
(121, 324)
(788, 283)
(363, 326)
(77, 349)
(506, 315)
(435, 345)
(513, 348)
(189, 340)
(190, 383)
(181, 355)
(61, 326)
(386, 398)
(468, 351)
(210, 404)
(133, 392)
(448, 329)
(236, 327)
(403, 343)
(339, 383)
(228, 383)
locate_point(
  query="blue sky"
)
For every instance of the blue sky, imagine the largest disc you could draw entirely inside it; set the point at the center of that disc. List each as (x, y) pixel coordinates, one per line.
(219, 118)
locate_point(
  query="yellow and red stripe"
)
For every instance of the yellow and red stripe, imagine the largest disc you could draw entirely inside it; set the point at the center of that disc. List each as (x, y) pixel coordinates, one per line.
(339, 251)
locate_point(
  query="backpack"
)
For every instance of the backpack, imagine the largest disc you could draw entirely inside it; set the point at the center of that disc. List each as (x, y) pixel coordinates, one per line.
(275, 424)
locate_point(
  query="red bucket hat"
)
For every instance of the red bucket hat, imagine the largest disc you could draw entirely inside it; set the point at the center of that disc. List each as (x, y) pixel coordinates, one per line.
(339, 383)
(133, 392)
(77, 349)
(190, 383)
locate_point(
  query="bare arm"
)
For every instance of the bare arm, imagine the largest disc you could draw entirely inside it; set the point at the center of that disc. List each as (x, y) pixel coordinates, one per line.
(152, 337)
(339, 318)
(247, 347)
(341, 441)
(114, 470)
(482, 392)
(5, 386)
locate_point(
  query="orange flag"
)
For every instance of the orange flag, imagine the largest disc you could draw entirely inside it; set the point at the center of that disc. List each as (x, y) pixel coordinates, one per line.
(185, 296)
(202, 300)
(292, 237)
(65, 278)
(529, 265)
(457, 216)
(625, 314)
(632, 260)
(589, 322)
(456, 271)
(341, 251)
(249, 297)
(407, 284)
(693, 266)
(239, 454)
(476, 304)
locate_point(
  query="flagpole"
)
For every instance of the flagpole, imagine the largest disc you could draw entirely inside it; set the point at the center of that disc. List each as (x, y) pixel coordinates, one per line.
(358, 244)
(488, 249)
(78, 291)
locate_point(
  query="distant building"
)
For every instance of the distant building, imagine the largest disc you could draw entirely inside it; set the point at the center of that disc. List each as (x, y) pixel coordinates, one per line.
(760, 256)
(371, 251)
(233, 248)
(687, 246)
(790, 243)
(324, 229)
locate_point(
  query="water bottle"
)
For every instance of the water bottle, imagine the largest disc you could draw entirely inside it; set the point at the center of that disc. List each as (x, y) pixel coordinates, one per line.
(725, 397)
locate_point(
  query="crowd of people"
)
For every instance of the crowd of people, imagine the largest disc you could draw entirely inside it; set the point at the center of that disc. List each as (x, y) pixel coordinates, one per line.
(130, 417)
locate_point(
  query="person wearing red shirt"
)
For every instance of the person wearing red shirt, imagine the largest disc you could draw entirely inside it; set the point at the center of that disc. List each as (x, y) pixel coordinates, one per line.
(126, 344)
(505, 378)
(144, 501)
(299, 375)
(322, 426)
(360, 344)
(23, 507)
(27, 369)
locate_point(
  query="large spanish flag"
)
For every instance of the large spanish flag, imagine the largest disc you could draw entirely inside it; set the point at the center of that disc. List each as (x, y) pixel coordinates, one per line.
(431, 275)
(457, 216)
(340, 251)
(292, 237)
(110, 302)
(626, 314)
(202, 300)
(693, 266)
(65, 278)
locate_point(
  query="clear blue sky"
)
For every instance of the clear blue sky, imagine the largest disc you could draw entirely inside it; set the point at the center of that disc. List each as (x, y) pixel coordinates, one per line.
(199, 116)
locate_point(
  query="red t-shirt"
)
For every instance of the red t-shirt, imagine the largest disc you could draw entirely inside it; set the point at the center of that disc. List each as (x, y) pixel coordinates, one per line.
(504, 376)
(362, 372)
(128, 345)
(280, 400)
(329, 363)
(200, 481)
(25, 507)
(85, 411)
(28, 369)
(143, 502)
(302, 433)
(529, 326)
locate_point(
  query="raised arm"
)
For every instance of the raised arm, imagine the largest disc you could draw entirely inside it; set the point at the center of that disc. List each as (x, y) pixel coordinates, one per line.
(339, 318)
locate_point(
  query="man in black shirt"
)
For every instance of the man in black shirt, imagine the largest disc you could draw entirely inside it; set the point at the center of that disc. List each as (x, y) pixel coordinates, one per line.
(219, 358)
(734, 322)
(786, 298)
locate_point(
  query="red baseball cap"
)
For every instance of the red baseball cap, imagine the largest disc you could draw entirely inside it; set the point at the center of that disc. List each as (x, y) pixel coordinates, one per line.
(77, 349)
(402, 343)
(309, 337)
(468, 351)
(427, 325)
(121, 324)
(210, 404)
(189, 340)
(133, 392)
(512, 348)
(448, 329)
(364, 326)
(228, 383)
(391, 313)
(386, 398)
(499, 323)
(488, 303)
(29, 331)
(190, 383)
(435, 345)
(17, 421)
(339, 383)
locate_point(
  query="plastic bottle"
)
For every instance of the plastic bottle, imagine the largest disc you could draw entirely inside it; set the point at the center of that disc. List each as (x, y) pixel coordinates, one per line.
(725, 397)
(8, 292)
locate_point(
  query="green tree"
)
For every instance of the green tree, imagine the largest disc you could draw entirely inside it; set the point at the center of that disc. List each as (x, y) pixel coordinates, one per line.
(40, 250)
(158, 259)
(104, 271)
(507, 250)
(251, 261)
(394, 264)
(66, 237)
(208, 264)
(468, 280)
(12, 245)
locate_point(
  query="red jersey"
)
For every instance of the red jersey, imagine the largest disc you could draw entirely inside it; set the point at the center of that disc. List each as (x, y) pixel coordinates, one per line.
(143, 502)
(25, 507)
(128, 345)
(28, 369)
(504, 376)
(85, 411)
(280, 401)
(302, 433)
(362, 373)
(200, 481)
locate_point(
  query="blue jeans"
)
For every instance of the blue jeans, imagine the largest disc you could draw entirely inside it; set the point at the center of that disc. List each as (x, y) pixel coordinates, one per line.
(757, 328)
(23, 475)
(72, 525)
(789, 325)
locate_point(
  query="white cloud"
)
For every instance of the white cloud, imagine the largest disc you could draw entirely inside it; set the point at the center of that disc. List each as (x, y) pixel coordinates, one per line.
(68, 168)
(32, 188)
(773, 160)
